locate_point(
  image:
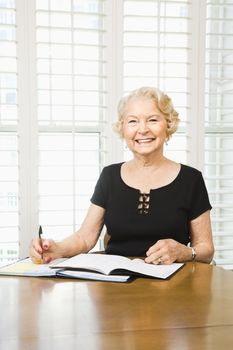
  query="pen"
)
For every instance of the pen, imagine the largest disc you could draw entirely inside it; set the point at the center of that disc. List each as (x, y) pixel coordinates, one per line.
(40, 234)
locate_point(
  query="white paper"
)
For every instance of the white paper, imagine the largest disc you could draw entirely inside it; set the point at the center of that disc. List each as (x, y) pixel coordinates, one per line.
(93, 276)
(107, 263)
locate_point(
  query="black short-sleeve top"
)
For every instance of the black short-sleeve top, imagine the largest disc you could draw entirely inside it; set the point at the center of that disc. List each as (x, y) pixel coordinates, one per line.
(169, 209)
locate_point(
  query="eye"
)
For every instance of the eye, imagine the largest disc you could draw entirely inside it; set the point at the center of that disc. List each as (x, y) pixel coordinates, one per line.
(153, 120)
(132, 121)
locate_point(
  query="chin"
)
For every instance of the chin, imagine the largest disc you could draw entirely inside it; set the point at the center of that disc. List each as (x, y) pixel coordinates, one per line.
(145, 152)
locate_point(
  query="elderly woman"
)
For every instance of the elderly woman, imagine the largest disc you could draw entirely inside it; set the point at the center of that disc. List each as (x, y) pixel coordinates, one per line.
(150, 205)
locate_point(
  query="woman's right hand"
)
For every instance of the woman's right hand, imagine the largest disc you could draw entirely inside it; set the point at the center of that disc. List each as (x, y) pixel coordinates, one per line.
(43, 251)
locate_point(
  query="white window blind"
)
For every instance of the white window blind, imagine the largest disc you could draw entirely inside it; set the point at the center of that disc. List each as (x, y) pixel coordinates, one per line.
(52, 128)
(157, 48)
(8, 133)
(71, 75)
(162, 41)
(63, 66)
(219, 124)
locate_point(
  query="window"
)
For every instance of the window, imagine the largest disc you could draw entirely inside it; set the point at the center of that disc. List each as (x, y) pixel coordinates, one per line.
(219, 124)
(53, 116)
(63, 67)
(71, 109)
(157, 45)
(8, 133)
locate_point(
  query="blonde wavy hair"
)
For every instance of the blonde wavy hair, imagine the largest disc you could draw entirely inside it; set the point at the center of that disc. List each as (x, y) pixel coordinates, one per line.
(162, 101)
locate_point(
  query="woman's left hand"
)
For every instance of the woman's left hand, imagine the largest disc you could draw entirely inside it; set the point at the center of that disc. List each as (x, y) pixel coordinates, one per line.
(165, 251)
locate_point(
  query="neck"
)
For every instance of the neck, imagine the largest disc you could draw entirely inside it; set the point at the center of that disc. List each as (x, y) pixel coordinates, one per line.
(148, 163)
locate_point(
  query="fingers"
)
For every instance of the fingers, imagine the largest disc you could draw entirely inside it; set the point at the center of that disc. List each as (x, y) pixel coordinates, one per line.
(48, 250)
(36, 251)
(153, 254)
(36, 245)
(46, 244)
(161, 252)
(40, 251)
(155, 258)
(159, 259)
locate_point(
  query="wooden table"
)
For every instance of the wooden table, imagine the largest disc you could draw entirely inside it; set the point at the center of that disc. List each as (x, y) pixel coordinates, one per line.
(192, 310)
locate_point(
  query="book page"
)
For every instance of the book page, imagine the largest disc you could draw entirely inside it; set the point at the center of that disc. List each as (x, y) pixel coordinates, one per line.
(157, 271)
(93, 276)
(26, 267)
(103, 263)
(106, 264)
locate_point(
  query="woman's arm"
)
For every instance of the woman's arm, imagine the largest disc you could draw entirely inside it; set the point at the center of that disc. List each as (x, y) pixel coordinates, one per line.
(201, 237)
(167, 251)
(79, 242)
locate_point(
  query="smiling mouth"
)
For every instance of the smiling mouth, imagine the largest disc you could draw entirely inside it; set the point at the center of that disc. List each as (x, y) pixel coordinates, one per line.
(144, 141)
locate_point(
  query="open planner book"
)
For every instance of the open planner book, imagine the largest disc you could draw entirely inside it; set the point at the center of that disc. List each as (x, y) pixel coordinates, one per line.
(102, 267)
(27, 268)
(111, 265)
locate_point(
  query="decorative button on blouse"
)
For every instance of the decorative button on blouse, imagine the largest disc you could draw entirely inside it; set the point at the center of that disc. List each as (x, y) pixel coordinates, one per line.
(143, 203)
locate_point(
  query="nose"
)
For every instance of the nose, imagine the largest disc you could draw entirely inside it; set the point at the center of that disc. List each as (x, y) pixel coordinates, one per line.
(143, 127)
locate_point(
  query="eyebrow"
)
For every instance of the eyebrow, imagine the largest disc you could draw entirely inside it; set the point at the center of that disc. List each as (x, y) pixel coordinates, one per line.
(149, 116)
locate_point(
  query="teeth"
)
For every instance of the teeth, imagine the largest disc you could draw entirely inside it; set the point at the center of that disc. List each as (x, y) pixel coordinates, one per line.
(144, 141)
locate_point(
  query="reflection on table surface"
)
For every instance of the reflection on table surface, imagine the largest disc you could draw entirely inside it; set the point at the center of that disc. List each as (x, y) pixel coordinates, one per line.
(192, 310)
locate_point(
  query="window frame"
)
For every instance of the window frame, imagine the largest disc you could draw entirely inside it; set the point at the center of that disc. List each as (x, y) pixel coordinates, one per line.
(113, 148)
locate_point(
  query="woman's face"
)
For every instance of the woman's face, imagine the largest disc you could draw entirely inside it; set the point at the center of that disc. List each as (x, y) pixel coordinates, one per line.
(144, 127)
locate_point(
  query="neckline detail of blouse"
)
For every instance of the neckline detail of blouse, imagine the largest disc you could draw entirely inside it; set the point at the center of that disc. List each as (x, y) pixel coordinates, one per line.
(152, 189)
